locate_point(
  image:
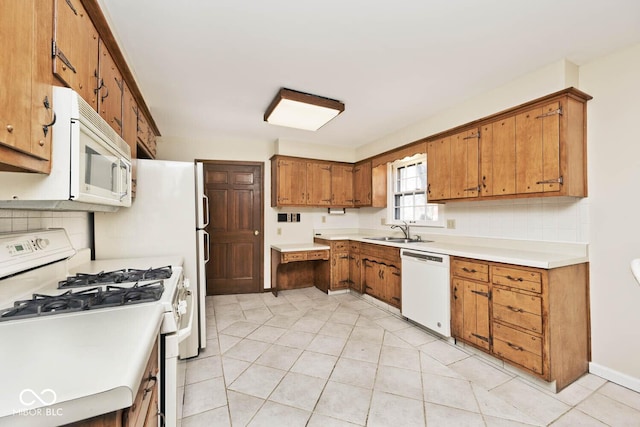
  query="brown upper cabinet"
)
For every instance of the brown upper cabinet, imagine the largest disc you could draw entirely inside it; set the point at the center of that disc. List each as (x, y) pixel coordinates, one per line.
(342, 185)
(25, 86)
(307, 182)
(535, 149)
(109, 91)
(464, 164)
(62, 42)
(288, 182)
(498, 158)
(145, 137)
(369, 185)
(75, 49)
(318, 184)
(439, 169)
(129, 119)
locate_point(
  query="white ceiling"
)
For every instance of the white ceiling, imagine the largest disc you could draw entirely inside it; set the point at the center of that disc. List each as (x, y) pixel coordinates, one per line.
(209, 68)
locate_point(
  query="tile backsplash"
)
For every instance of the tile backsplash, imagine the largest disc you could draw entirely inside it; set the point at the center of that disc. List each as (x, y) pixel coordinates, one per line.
(76, 223)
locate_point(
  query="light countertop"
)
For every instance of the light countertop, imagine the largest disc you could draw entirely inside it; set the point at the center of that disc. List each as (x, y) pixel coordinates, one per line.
(538, 254)
(64, 369)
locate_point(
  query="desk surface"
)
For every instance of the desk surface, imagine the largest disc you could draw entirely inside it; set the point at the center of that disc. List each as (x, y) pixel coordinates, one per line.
(296, 247)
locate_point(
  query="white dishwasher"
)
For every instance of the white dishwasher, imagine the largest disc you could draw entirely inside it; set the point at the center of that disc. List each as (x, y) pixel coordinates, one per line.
(425, 290)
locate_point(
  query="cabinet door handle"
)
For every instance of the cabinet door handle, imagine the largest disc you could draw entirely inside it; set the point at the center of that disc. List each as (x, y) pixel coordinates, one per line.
(482, 294)
(515, 309)
(515, 347)
(515, 279)
(480, 337)
(476, 188)
(559, 180)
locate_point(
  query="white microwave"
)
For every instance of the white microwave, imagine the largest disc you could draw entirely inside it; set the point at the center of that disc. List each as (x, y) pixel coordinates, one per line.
(90, 169)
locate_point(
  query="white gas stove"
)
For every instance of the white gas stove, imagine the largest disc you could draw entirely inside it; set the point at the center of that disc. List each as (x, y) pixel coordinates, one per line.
(47, 288)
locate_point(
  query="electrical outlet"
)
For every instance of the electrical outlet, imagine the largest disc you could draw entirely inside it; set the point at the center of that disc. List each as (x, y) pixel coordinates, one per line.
(279, 231)
(383, 221)
(451, 223)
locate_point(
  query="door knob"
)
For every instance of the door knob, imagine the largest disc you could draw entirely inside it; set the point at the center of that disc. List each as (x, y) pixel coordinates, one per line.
(256, 232)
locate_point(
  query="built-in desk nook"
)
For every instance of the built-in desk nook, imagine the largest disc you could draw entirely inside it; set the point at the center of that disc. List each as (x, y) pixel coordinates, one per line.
(299, 265)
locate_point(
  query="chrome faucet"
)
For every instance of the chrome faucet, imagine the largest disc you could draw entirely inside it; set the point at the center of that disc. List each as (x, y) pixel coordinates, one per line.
(405, 229)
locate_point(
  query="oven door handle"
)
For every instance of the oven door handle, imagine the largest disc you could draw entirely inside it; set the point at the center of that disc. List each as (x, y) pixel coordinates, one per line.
(183, 333)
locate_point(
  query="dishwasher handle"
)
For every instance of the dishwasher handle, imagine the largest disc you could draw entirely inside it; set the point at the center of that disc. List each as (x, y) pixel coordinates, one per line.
(426, 257)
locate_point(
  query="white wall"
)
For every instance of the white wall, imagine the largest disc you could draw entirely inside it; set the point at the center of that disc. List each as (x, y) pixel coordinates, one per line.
(544, 81)
(614, 194)
(76, 223)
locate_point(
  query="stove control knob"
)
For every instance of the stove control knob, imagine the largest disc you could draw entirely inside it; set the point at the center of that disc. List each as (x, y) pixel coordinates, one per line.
(41, 243)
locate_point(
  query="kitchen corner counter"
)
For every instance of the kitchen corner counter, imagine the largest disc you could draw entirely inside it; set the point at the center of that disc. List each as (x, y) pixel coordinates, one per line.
(546, 255)
(94, 367)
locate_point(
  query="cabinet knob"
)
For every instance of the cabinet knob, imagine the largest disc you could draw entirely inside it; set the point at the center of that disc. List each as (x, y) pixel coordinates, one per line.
(10, 128)
(41, 143)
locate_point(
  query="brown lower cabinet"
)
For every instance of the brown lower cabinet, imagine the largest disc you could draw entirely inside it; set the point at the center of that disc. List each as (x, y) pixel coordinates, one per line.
(355, 267)
(145, 408)
(535, 319)
(381, 274)
(338, 263)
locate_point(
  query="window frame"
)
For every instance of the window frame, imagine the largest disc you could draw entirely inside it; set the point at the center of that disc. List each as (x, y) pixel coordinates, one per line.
(391, 194)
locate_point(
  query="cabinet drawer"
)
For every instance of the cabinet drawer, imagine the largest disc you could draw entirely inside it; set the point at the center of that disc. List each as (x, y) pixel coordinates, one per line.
(322, 254)
(470, 270)
(517, 309)
(518, 347)
(528, 342)
(382, 253)
(517, 278)
(340, 245)
(293, 256)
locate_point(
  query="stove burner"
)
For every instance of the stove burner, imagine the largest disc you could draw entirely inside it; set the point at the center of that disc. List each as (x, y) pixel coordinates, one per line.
(85, 299)
(116, 276)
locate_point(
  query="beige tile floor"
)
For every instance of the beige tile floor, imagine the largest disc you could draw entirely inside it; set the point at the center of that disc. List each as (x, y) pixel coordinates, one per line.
(309, 359)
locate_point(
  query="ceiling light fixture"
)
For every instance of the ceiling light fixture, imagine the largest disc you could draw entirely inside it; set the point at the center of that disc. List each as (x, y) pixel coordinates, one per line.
(301, 110)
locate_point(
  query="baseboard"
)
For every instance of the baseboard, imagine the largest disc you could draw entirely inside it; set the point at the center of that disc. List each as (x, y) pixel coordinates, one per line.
(615, 376)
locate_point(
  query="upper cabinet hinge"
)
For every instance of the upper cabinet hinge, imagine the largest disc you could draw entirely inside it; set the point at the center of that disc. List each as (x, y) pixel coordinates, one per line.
(557, 111)
(57, 52)
(75, 12)
(475, 135)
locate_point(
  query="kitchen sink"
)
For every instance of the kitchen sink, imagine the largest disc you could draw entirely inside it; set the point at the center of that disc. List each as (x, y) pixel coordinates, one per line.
(397, 239)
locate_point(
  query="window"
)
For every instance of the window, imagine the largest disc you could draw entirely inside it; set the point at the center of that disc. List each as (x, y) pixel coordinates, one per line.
(408, 193)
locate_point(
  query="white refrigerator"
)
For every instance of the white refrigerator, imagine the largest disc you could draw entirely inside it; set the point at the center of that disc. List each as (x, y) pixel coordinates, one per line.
(167, 217)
